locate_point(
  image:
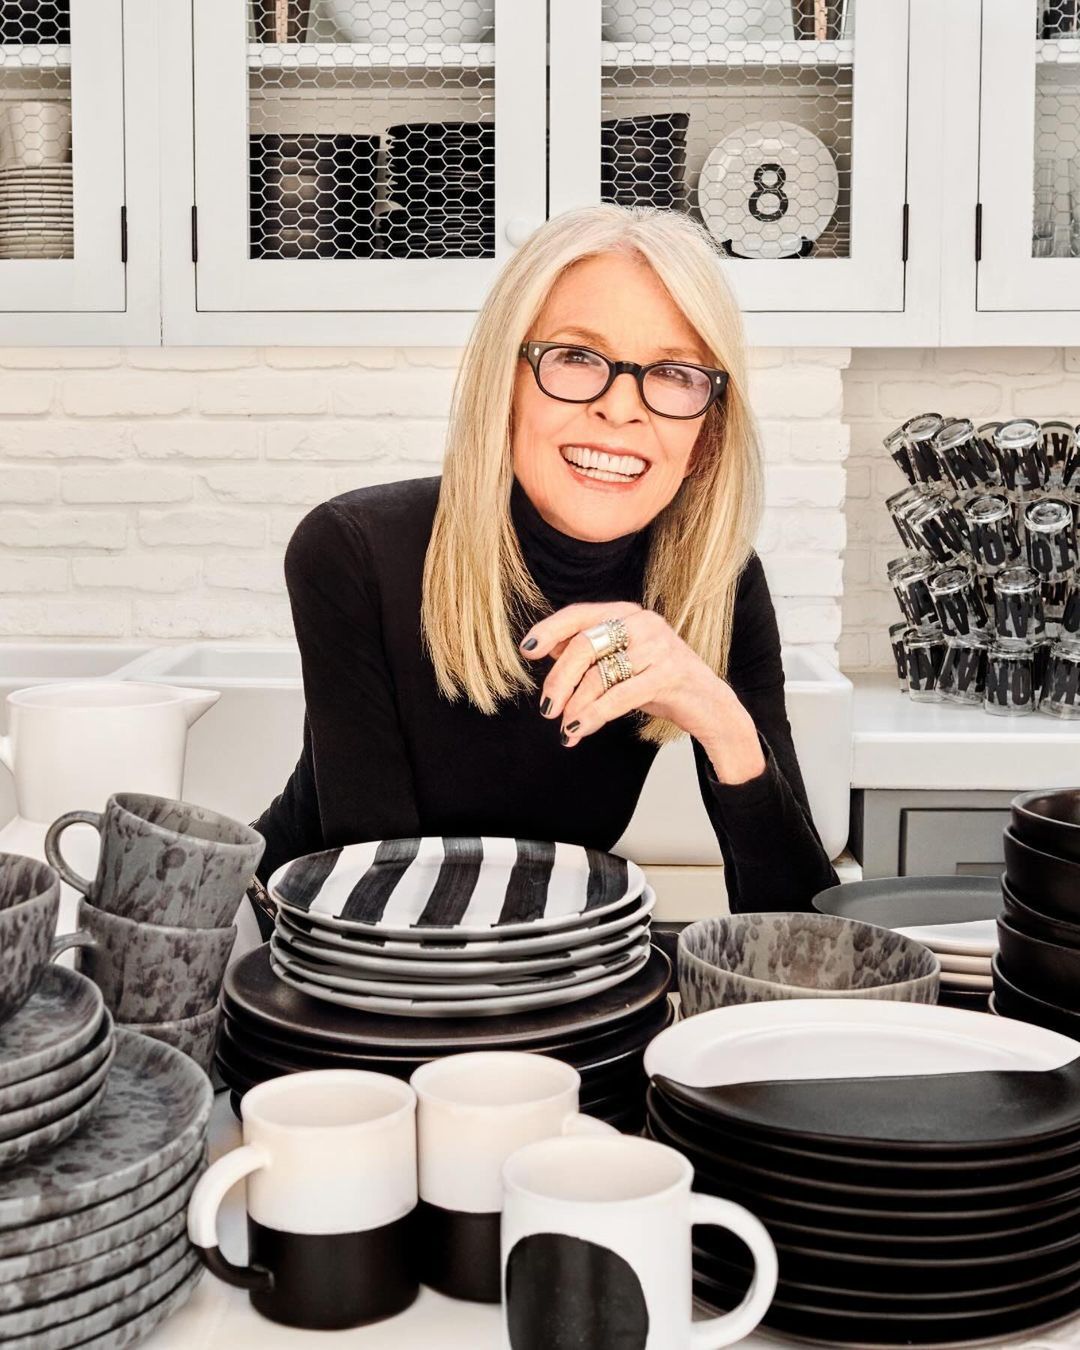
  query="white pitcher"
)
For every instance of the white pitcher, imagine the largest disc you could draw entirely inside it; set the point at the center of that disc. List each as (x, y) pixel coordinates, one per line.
(70, 745)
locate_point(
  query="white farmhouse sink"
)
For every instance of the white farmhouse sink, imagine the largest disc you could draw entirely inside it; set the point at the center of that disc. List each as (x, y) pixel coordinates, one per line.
(670, 825)
(241, 752)
(23, 664)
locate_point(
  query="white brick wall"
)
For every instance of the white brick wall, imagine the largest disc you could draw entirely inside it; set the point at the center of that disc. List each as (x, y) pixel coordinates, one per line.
(884, 387)
(151, 493)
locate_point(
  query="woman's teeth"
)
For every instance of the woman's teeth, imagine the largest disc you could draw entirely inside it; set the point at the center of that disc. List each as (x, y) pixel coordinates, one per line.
(605, 468)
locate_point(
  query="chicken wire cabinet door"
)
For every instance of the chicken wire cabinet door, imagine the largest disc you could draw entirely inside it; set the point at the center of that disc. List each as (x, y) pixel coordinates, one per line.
(364, 154)
(61, 155)
(778, 125)
(1029, 156)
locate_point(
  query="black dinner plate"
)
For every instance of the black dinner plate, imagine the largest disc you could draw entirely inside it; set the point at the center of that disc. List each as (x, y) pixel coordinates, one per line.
(877, 1303)
(884, 1333)
(918, 1177)
(253, 991)
(911, 902)
(988, 1109)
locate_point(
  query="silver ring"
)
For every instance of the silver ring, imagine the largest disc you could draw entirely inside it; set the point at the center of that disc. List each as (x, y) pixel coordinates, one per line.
(608, 637)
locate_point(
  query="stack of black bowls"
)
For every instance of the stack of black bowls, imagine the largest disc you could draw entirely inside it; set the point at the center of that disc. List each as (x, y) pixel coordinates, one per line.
(1037, 969)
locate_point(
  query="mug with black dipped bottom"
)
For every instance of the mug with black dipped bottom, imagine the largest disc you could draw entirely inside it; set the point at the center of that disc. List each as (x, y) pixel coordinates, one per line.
(329, 1158)
(596, 1249)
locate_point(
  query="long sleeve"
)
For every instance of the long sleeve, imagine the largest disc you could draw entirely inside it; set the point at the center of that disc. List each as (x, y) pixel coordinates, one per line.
(773, 855)
(354, 781)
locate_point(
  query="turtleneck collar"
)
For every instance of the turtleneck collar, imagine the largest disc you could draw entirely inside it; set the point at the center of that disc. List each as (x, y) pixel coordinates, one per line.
(568, 570)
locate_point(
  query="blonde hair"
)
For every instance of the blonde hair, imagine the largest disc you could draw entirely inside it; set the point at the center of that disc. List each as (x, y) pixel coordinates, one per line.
(478, 596)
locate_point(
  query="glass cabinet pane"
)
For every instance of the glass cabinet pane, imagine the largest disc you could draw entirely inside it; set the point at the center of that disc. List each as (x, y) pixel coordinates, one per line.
(371, 129)
(36, 216)
(1055, 219)
(739, 113)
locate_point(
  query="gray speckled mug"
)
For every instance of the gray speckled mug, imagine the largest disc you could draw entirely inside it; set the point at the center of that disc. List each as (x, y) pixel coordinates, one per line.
(163, 861)
(29, 903)
(150, 973)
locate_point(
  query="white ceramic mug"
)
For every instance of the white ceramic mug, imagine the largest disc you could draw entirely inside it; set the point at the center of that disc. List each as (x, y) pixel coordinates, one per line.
(473, 1111)
(596, 1249)
(330, 1161)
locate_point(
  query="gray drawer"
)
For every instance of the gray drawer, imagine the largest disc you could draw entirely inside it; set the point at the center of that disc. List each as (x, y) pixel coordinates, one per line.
(952, 842)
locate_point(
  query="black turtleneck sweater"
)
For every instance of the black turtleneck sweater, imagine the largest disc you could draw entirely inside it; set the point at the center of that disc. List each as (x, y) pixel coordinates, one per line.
(386, 756)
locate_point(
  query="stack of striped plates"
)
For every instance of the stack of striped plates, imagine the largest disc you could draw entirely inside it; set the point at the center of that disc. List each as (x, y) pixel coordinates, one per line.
(459, 927)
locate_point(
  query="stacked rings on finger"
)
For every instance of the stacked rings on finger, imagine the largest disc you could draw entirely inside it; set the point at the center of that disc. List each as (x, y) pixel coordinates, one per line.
(614, 668)
(608, 637)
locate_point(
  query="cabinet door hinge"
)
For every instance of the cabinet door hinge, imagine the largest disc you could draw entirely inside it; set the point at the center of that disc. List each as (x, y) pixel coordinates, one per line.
(194, 233)
(978, 231)
(123, 234)
(904, 244)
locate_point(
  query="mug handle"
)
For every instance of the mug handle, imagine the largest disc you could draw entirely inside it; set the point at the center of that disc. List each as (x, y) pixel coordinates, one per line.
(579, 1123)
(733, 1326)
(203, 1206)
(52, 845)
(80, 938)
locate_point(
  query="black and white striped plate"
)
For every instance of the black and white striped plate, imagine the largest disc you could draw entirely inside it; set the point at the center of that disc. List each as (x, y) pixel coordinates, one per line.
(427, 944)
(353, 982)
(364, 964)
(460, 1007)
(455, 886)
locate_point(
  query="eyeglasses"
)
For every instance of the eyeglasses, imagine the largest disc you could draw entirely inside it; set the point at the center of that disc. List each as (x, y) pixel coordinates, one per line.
(580, 375)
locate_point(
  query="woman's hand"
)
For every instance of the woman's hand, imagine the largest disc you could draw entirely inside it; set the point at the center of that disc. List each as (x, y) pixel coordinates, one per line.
(670, 681)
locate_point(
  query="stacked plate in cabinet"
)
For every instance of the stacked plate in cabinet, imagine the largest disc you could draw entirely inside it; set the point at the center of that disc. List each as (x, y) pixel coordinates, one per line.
(459, 927)
(954, 916)
(271, 1026)
(93, 1237)
(1037, 970)
(36, 216)
(939, 1205)
(55, 1055)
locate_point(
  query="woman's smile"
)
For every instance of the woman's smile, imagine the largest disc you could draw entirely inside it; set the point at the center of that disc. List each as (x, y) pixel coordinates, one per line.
(594, 470)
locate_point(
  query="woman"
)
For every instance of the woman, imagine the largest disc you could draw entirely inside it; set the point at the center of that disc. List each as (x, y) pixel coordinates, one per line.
(503, 649)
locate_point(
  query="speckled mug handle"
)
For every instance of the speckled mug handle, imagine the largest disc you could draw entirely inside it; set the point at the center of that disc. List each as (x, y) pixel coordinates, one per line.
(52, 848)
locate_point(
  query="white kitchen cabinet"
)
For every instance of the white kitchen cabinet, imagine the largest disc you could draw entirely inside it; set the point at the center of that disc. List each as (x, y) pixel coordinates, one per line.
(791, 148)
(69, 149)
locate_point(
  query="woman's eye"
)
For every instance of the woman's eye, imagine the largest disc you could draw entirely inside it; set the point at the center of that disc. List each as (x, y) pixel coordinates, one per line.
(676, 374)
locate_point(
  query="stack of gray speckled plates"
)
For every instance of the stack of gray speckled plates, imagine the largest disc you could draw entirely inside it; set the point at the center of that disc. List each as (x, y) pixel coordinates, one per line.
(93, 1240)
(55, 1054)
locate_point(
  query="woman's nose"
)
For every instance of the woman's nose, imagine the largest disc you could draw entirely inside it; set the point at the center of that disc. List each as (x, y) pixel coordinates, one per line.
(622, 400)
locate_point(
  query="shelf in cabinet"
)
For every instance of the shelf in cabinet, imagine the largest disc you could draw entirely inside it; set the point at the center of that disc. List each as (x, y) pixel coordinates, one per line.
(772, 54)
(30, 56)
(312, 58)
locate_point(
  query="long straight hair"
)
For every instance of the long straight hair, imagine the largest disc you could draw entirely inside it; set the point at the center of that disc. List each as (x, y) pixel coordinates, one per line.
(478, 595)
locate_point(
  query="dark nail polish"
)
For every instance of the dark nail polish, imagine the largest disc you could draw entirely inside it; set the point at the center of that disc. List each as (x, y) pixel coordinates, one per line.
(573, 726)
(544, 707)
(564, 738)
(528, 646)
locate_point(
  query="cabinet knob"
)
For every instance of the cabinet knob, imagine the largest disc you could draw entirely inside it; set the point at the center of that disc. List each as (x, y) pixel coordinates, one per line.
(518, 230)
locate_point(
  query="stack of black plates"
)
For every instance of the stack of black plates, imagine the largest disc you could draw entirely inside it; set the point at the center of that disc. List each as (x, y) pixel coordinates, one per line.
(643, 160)
(937, 1206)
(954, 916)
(1037, 971)
(271, 1028)
(440, 180)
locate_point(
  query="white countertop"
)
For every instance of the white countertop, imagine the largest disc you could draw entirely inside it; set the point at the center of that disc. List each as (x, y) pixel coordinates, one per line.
(218, 1317)
(898, 743)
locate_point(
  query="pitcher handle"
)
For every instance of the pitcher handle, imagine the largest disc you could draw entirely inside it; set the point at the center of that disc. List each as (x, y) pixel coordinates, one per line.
(52, 846)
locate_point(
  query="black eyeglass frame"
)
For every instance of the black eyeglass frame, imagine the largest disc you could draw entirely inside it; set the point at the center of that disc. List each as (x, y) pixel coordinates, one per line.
(533, 352)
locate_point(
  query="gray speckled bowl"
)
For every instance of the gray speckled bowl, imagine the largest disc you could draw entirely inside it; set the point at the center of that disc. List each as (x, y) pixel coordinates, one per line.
(748, 958)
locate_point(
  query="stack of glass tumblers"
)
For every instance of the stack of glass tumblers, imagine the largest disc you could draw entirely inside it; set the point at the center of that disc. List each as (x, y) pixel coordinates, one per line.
(989, 585)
